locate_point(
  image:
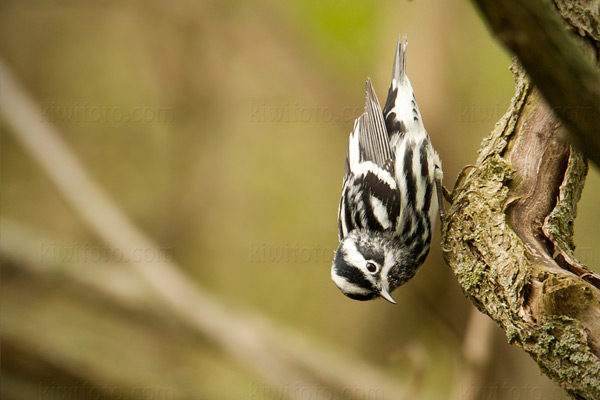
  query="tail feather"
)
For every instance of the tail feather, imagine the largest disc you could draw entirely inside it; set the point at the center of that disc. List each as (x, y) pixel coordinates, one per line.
(399, 72)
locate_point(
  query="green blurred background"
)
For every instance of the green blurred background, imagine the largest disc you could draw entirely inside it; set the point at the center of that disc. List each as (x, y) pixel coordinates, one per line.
(220, 129)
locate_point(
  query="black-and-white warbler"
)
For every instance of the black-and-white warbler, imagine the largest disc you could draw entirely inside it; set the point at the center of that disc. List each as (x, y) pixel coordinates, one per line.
(391, 193)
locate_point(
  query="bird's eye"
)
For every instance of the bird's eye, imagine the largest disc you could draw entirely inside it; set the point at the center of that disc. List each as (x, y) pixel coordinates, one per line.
(371, 267)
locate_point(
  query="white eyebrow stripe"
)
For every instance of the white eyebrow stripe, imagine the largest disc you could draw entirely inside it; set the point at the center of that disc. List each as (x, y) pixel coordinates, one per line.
(352, 255)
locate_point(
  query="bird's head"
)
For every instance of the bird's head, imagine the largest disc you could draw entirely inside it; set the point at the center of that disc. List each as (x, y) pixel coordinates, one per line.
(370, 264)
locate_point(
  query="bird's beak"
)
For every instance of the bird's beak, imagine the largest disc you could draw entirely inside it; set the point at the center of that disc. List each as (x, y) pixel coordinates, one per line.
(386, 295)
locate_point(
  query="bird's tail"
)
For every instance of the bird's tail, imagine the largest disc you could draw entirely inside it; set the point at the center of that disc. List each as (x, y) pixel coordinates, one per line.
(399, 72)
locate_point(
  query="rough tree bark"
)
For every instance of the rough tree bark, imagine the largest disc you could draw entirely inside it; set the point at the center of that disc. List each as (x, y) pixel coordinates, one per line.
(555, 59)
(508, 232)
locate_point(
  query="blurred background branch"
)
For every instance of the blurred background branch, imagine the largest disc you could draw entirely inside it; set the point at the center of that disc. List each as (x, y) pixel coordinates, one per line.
(249, 339)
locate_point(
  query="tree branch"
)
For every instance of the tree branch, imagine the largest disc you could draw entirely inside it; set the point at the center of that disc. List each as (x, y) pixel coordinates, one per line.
(509, 242)
(509, 230)
(555, 60)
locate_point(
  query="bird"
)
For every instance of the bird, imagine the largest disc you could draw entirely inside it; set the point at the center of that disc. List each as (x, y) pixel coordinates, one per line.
(391, 193)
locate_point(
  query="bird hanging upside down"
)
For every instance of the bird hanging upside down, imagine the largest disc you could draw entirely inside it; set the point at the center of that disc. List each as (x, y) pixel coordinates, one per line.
(391, 195)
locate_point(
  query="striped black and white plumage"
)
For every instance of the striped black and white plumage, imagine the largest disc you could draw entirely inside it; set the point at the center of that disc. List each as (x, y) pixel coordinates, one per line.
(391, 193)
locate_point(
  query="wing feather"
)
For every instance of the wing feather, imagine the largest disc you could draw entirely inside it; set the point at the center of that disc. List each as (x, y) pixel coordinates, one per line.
(373, 137)
(370, 197)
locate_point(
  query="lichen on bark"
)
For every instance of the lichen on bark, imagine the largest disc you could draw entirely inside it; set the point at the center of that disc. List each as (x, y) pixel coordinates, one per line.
(508, 238)
(583, 15)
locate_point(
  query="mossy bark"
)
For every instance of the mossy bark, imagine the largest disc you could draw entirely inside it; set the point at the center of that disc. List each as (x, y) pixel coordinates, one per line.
(508, 238)
(508, 234)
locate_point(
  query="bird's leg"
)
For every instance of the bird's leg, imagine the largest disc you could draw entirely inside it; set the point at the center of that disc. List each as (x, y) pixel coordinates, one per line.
(440, 195)
(438, 176)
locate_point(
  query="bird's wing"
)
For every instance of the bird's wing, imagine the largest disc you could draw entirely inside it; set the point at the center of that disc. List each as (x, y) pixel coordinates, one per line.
(373, 137)
(370, 198)
(369, 140)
